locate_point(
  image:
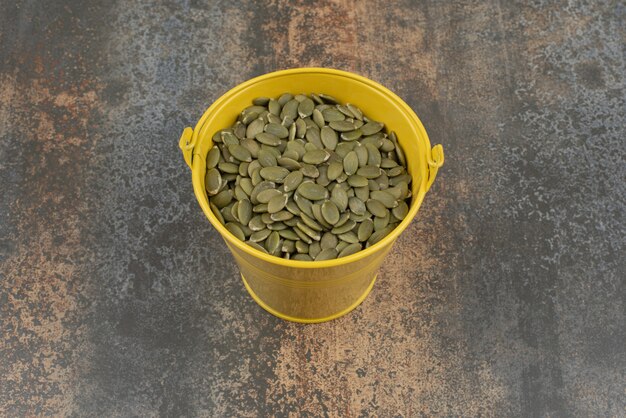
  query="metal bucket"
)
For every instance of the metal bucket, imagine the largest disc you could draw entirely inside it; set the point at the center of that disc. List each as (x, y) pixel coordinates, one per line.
(313, 291)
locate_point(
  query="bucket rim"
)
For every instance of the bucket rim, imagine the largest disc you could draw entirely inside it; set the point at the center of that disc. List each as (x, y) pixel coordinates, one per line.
(198, 165)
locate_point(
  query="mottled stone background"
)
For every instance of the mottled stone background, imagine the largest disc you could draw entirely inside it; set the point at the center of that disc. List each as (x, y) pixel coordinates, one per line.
(504, 298)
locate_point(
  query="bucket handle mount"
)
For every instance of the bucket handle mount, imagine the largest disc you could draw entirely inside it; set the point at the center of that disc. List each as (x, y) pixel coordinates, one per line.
(435, 160)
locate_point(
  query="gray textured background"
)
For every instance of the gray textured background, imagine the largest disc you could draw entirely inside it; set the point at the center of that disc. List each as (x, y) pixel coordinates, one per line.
(505, 297)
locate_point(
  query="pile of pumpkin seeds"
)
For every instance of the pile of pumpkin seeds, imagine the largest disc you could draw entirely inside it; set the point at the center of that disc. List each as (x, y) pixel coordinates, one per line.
(307, 178)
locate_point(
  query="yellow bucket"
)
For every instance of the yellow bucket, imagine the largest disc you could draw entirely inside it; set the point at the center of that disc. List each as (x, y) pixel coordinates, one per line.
(313, 291)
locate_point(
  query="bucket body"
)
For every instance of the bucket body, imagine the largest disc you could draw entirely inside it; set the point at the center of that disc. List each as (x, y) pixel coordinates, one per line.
(313, 291)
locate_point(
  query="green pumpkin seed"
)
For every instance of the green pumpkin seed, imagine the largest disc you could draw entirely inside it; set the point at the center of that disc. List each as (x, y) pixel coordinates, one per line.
(217, 213)
(349, 249)
(351, 135)
(345, 111)
(304, 237)
(342, 126)
(212, 181)
(356, 205)
(266, 195)
(373, 155)
(358, 114)
(300, 128)
(260, 235)
(272, 242)
(399, 152)
(276, 129)
(277, 203)
(330, 212)
(338, 230)
(331, 114)
(376, 208)
(317, 156)
(293, 180)
(340, 198)
(305, 108)
(318, 118)
(310, 222)
(317, 214)
(357, 181)
(402, 178)
(365, 230)
(370, 128)
(328, 98)
(388, 163)
(314, 249)
(228, 167)
(229, 138)
(387, 145)
(289, 163)
(213, 157)
(244, 211)
(327, 254)
(276, 226)
(256, 246)
(341, 245)
(275, 174)
(280, 216)
(369, 171)
(240, 153)
(349, 237)
(268, 139)
(313, 136)
(329, 240)
(350, 163)
(334, 170)
(395, 171)
(290, 109)
(312, 191)
(385, 198)
(267, 158)
(301, 246)
(256, 223)
(236, 230)
(311, 233)
(378, 235)
(260, 208)
(255, 128)
(400, 211)
(329, 137)
(302, 257)
(223, 198)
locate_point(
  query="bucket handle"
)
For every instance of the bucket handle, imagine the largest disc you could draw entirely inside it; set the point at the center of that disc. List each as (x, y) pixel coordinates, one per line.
(435, 160)
(186, 145)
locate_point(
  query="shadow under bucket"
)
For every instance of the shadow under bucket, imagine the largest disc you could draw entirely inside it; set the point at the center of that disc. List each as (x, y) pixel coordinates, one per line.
(313, 291)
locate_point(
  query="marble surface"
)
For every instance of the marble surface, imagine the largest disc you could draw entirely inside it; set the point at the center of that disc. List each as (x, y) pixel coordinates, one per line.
(503, 298)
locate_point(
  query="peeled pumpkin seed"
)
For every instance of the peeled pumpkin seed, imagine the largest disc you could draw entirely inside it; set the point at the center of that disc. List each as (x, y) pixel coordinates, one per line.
(350, 163)
(235, 229)
(401, 210)
(326, 254)
(312, 191)
(277, 203)
(376, 208)
(275, 174)
(314, 249)
(371, 128)
(272, 242)
(385, 198)
(316, 157)
(349, 249)
(266, 195)
(293, 180)
(256, 170)
(342, 126)
(212, 181)
(329, 240)
(330, 212)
